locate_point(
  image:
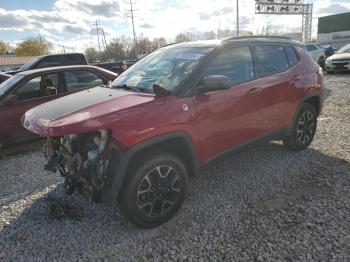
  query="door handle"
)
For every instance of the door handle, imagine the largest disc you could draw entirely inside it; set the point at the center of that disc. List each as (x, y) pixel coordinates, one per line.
(253, 90)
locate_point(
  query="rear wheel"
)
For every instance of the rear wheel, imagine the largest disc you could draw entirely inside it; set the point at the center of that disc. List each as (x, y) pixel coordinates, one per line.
(303, 130)
(154, 190)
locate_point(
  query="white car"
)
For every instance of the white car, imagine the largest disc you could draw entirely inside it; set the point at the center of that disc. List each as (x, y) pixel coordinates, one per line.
(317, 53)
(340, 61)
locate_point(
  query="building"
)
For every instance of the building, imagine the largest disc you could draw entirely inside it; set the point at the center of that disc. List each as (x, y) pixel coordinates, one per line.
(10, 61)
(334, 30)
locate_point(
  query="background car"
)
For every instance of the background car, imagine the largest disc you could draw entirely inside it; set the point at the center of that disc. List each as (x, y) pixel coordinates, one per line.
(3, 77)
(116, 67)
(34, 87)
(340, 61)
(317, 53)
(51, 61)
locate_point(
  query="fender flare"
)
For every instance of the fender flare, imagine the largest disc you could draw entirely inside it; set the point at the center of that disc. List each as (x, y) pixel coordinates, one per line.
(117, 173)
(301, 102)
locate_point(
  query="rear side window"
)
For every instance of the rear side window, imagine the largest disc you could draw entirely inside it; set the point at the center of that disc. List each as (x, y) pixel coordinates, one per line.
(49, 61)
(311, 48)
(270, 59)
(292, 56)
(81, 79)
(74, 59)
(235, 63)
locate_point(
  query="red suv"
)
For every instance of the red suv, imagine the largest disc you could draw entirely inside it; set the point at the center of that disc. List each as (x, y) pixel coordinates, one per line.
(176, 110)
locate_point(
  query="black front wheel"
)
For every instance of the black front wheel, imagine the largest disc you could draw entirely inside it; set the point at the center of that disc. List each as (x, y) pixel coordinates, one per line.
(154, 190)
(303, 129)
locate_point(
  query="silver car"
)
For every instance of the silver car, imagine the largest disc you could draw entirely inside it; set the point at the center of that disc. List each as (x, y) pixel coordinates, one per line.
(340, 61)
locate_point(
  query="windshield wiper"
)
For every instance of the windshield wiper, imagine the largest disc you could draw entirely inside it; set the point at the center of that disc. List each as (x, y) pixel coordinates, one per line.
(157, 89)
(129, 88)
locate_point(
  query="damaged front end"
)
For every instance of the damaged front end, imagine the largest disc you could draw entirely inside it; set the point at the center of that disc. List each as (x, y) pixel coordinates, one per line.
(83, 160)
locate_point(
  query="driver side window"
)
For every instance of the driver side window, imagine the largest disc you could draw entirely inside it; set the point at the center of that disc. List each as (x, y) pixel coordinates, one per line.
(235, 63)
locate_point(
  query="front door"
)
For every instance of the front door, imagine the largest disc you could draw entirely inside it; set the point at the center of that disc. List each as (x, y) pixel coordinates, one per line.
(31, 93)
(229, 118)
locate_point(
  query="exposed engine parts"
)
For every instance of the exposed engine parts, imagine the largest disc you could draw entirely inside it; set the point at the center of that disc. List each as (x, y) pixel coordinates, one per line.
(82, 159)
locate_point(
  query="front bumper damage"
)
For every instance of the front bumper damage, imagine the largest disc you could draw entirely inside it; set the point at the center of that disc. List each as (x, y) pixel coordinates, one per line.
(87, 162)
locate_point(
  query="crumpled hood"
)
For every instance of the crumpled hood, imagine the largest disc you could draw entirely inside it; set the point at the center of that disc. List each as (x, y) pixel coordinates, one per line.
(82, 111)
(340, 56)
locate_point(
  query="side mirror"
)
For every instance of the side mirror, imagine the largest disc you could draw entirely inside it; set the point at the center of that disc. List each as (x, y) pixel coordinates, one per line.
(10, 99)
(214, 83)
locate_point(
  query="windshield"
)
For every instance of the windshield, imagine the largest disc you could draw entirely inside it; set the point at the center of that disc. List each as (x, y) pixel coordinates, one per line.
(344, 49)
(166, 67)
(6, 85)
(29, 64)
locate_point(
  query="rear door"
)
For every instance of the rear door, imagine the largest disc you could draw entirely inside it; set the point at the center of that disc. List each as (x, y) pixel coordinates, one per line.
(228, 118)
(274, 77)
(34, 91)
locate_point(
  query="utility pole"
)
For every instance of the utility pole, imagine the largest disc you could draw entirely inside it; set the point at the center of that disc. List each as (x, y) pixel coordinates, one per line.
(131, 15)
(237, 18)
(98, 37)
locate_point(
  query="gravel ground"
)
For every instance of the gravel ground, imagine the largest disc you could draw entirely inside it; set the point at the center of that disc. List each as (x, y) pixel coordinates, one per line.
(266, 204)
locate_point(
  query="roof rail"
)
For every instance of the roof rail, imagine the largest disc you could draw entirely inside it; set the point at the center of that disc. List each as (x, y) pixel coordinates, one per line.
(256, 36)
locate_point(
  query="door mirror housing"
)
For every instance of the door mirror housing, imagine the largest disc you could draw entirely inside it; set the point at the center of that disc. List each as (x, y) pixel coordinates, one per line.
(214, 83)
(11, 98)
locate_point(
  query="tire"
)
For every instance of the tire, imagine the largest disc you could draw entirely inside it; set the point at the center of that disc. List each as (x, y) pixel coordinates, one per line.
(303, 129)
(330, 72)
(321, 63)
(154, 190)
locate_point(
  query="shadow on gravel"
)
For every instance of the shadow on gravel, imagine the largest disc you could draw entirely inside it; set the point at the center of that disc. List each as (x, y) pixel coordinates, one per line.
(268, 177)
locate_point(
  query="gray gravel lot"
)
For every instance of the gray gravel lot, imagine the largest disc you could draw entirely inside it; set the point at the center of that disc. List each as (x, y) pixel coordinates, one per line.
(266, 204)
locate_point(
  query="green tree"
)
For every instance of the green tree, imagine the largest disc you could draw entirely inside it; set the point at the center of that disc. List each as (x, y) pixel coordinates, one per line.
(91, 55)
(33, 47)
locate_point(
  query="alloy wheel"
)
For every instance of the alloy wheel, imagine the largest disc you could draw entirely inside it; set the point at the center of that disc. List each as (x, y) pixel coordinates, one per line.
(306, 127)
(158, 191)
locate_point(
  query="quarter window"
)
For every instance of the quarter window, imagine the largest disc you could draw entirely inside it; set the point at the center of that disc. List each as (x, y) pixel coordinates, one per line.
(235, 63)
(270, 59)
(292, 57)
(81, 79)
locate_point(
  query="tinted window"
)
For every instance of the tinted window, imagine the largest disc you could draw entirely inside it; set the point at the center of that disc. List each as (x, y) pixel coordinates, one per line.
(311, 48)
(75, 59)
(81, 79)
(270, 59)
(235, 63)
(292, 56)
(49, 61)
(39, 86)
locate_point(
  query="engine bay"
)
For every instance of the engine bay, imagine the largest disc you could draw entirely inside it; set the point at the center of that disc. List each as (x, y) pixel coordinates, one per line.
(82, 160)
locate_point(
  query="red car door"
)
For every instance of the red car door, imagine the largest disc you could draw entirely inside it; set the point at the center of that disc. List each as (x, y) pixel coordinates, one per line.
(272, 67)
(229, 118)
(33, 92)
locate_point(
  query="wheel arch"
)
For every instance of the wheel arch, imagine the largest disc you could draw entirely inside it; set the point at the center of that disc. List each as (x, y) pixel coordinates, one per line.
(178, 143)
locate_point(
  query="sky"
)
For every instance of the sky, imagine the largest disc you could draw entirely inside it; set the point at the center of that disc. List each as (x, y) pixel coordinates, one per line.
(68, 24)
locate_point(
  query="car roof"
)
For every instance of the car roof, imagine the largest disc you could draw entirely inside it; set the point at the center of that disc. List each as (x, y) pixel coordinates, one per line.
(241, 39)
(61, 68)
(63, 54)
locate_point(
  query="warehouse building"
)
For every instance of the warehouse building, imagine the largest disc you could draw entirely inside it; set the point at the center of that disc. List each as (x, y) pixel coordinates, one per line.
(334, 30)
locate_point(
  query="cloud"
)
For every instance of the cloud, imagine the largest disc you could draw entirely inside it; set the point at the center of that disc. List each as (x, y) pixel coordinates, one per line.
(333, 9)
(146, 26)
(104, 8)
(11, 20)
(204, 16)
(74, 29)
